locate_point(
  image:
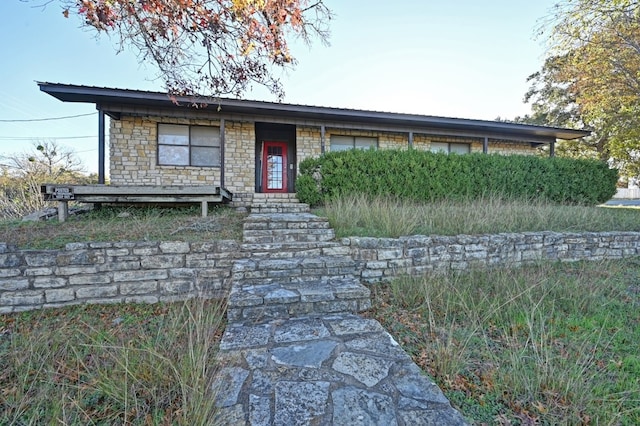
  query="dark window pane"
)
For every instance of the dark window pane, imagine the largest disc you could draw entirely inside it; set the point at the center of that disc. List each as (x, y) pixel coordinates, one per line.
(201, 156)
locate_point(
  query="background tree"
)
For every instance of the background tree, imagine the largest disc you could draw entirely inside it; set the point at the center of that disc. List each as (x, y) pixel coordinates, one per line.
(593, 75)
(209, 47)
(553, 103)
(22, 174)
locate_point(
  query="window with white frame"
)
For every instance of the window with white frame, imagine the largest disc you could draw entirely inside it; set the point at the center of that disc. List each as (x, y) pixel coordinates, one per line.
(458, 148)
(184, 145)
(344, 143)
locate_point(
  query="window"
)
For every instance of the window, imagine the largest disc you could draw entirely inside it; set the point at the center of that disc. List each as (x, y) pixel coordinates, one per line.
(458, 148)
(344, 143)
(182, 145)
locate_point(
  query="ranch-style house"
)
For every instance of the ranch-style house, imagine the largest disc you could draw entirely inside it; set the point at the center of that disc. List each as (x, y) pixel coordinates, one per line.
(248, 147)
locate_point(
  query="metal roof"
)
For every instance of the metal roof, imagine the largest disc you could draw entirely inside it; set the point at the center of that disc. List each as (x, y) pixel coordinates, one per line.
(221, 106)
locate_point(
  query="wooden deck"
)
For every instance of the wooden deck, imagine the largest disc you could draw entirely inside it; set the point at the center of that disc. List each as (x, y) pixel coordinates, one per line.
(131, 194)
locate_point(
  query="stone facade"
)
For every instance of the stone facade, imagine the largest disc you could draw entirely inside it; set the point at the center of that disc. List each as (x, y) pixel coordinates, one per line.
(134, 155)
(134, 152)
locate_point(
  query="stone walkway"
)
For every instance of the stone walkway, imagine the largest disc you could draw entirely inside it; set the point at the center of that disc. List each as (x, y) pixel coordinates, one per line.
(293, 366)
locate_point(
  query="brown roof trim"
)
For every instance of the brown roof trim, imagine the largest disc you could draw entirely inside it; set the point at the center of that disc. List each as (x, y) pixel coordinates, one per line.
(103, 95)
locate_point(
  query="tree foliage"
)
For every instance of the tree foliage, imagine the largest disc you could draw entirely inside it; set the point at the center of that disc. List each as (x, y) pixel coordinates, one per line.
(209, 47)
(22, 174)
(592, 76)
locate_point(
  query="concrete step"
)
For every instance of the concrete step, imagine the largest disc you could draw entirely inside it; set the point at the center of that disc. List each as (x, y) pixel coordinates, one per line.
(268, 270)
(277, 300)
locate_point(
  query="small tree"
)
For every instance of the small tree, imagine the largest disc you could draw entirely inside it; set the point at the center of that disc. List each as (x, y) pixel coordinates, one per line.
(22, 174)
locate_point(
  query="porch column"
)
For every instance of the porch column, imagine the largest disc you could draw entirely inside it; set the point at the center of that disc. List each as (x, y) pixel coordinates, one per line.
(485, 145)
(101, 147)
(552, 149)
(322, 140)
(222, 153)
(410, 140)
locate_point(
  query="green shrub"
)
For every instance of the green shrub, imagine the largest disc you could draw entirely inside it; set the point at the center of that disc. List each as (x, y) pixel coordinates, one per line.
(307, 189)
(426, 176)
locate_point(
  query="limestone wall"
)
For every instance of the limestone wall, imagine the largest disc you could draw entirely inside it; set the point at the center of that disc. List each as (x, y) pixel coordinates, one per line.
(381, 259)
(143, 272)
(149, 272)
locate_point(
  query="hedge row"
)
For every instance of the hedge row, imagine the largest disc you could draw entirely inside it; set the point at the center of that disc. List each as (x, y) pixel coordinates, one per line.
(428, 176)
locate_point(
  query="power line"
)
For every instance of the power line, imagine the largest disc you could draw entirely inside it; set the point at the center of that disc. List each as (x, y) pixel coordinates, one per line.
(9, 138)
(30, 120)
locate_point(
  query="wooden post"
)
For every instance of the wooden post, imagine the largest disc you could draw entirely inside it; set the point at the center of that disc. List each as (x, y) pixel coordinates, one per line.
(410, 140)
(222, 152)
(322, 140)
(485, 145)
(63, 211)
(101, 147)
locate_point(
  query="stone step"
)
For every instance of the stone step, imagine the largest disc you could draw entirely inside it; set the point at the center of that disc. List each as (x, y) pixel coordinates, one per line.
(298, 249)
(253, 223)
(279, 208)
(275, 197)
(277, 300)
(287, 235)
(268, 270)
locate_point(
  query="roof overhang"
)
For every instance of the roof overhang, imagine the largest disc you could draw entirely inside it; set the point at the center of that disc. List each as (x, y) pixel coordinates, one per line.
(116, 101)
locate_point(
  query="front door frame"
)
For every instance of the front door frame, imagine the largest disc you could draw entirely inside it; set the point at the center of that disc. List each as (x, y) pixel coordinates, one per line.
(280, 183)
(275, 132)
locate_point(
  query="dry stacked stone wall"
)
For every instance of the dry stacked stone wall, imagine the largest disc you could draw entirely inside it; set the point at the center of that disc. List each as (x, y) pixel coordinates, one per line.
(123, 272)
(150, 272)
(382, 259)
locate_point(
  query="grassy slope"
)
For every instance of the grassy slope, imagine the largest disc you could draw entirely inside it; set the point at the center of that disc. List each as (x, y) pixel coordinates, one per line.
(116, 364)
(549, 343)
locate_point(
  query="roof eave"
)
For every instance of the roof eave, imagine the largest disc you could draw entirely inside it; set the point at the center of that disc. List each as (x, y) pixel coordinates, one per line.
(98, 95)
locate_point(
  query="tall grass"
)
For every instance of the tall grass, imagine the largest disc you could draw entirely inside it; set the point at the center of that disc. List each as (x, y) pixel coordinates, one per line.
(389, 217)
(126, 223)
(122, 364)
(551, 343)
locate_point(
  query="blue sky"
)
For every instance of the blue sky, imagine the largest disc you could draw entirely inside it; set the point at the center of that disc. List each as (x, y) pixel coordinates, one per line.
(465, 59)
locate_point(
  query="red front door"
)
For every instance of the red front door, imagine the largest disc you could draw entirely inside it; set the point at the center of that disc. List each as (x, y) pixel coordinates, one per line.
(274, 167)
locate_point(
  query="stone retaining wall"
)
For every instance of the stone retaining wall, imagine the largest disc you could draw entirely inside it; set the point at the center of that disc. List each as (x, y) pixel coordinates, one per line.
(381, 259)
(144, 272)
(167, 271)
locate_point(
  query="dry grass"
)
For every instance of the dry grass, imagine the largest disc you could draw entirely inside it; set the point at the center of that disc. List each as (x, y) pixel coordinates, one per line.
(126, 224)
(116, 364)
(546, 344)
(388, 217)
